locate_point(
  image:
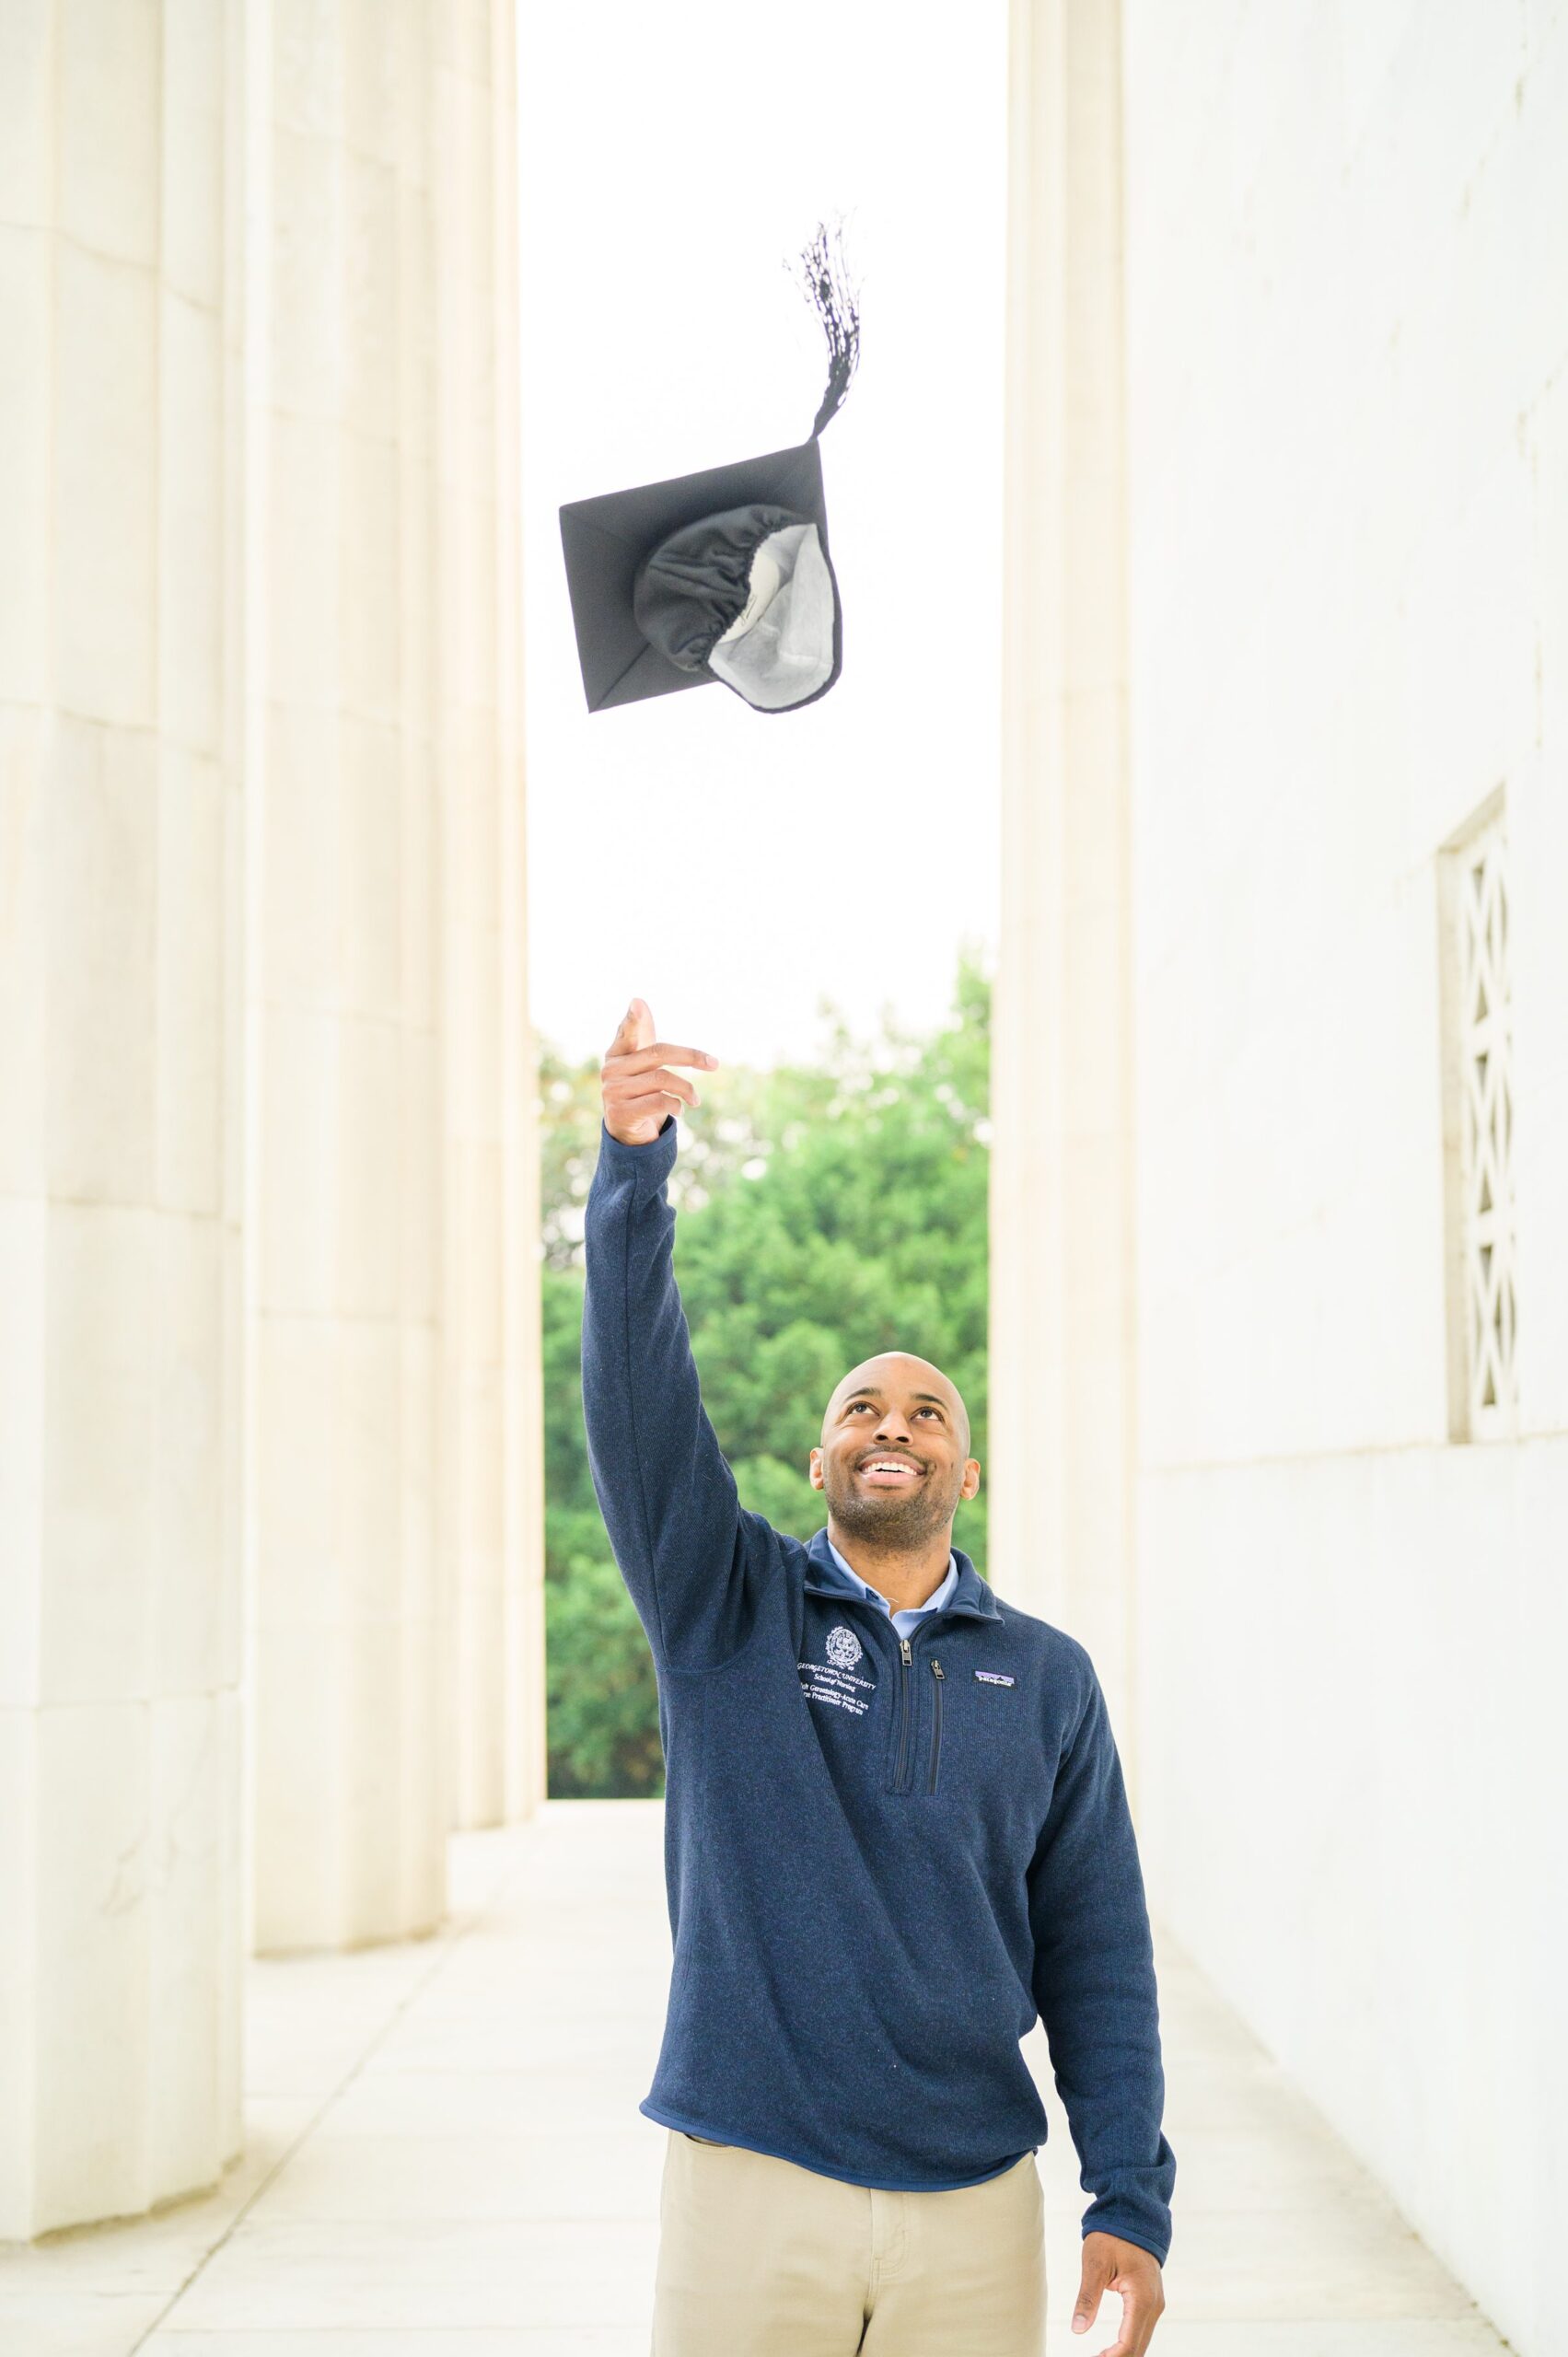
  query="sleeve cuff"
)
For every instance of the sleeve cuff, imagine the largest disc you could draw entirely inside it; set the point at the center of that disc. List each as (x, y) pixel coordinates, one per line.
(1145, 2238)
(655, 1157)
(619, 1145)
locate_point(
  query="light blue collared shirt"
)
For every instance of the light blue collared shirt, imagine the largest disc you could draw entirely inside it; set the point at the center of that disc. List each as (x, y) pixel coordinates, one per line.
(905, 1619)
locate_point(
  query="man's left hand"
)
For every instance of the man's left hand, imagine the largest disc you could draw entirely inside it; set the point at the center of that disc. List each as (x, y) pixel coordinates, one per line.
(1112, 2265)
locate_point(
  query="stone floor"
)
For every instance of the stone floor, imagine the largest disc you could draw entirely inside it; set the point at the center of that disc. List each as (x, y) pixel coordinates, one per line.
(444, 2158)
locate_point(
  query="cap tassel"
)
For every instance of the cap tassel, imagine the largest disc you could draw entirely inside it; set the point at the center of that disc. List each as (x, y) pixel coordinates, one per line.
(827, 289)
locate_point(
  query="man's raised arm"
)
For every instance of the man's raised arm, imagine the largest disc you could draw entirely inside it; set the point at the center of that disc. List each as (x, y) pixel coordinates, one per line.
(668, 1498)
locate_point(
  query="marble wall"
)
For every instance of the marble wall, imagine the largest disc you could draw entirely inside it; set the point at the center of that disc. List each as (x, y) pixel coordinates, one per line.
(1344, 487)
(1348, 362)
(269, 1496)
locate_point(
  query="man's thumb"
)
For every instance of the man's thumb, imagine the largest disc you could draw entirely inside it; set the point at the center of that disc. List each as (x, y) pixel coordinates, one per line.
(1091, 2290)
(633, 1023)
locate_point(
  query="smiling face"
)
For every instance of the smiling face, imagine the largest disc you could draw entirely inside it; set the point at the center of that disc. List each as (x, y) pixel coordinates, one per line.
(894, 1457)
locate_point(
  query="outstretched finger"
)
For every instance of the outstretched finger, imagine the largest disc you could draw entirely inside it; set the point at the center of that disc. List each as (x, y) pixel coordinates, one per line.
(658, 1052)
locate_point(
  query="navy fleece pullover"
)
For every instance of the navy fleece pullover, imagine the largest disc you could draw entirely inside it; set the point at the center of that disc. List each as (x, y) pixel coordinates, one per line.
(883, 1856)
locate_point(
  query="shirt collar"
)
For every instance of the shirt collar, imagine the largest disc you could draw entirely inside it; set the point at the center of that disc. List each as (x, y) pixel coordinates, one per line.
(935, 1602)
(824, 1577)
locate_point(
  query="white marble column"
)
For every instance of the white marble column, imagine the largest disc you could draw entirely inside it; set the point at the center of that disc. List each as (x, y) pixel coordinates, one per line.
(348, 1627)
(1062, 1295)
(120, 1751)
(491, 1459)
(394, 1493)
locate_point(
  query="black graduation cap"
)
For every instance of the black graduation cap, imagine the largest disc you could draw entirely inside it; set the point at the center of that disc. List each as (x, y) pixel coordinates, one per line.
(723, 575)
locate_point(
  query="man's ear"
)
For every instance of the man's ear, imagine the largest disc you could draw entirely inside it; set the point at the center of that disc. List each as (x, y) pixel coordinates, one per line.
(814, 1468)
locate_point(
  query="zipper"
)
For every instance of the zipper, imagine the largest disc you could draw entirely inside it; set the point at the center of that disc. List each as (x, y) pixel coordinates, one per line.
(906, 1662)
(936, 1676)
(904, 1657)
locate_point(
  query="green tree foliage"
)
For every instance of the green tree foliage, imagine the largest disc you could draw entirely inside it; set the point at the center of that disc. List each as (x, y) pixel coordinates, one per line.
(826, 1212)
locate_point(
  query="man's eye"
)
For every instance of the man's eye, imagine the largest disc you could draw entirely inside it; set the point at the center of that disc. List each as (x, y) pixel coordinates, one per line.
(856, 1404)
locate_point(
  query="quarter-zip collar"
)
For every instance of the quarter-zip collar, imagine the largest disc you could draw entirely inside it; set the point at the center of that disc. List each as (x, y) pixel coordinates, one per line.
(972, 1594)
(906, 1618)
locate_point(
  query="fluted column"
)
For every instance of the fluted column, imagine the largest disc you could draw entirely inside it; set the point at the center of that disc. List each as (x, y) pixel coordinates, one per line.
(491, 1439)
(120, 1753)
(1062, 1301)
(349, 1621)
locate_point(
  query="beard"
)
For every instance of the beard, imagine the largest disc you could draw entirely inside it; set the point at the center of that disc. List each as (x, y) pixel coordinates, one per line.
(894, 1521)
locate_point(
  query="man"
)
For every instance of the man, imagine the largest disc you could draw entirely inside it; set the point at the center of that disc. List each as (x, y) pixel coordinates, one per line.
(895, 1830)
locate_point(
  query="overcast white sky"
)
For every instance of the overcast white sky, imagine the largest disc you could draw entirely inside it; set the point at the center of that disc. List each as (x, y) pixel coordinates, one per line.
(735, 868)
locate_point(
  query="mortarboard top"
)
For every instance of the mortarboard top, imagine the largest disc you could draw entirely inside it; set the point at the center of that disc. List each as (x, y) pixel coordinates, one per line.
(723, 575)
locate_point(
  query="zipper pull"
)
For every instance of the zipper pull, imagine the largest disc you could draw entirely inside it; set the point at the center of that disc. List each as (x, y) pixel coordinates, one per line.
(905, 1649)
(936, 1669)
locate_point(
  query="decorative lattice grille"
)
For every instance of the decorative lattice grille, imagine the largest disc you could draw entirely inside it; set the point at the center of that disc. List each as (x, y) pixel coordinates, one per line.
(1486, 1134)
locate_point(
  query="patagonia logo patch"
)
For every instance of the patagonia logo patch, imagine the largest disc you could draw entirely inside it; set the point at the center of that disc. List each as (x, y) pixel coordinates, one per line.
(993, 1678)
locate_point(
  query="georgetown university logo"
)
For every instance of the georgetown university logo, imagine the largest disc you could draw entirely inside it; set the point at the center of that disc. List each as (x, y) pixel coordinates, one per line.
(837, 1680)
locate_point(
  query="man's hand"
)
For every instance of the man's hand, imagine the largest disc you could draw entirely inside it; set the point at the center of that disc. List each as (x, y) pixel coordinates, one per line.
(1112, 2265)
(638, 1090)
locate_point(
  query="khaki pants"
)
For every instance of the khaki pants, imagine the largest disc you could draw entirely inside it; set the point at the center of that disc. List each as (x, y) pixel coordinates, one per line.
(761, 2259)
